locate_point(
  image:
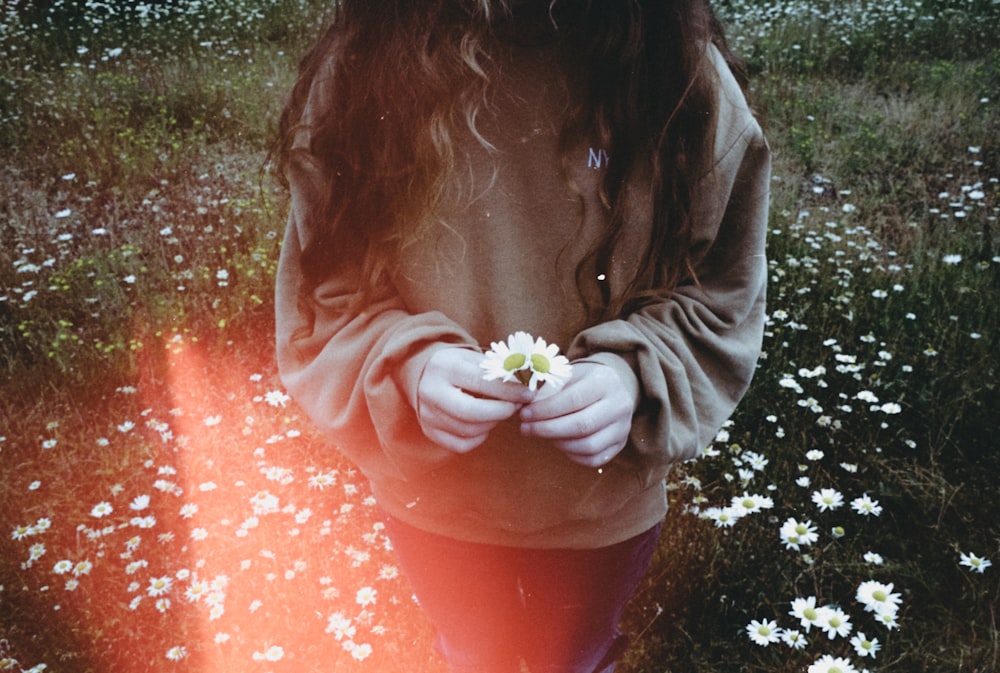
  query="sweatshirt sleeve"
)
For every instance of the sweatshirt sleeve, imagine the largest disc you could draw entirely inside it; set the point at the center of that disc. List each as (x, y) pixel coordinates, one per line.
(694, 353)
(355, 373)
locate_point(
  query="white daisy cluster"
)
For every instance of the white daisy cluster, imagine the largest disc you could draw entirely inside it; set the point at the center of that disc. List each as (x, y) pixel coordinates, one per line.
(739, 507)
(524, 358)
(213, 552)
(820, 31)
(833, 408)
(833, 622)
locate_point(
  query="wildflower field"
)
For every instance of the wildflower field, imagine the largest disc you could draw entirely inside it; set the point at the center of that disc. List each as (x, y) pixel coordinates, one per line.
(165, 506)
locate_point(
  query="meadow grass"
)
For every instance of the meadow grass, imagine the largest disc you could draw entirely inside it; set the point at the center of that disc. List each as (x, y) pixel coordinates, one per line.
(165, 505)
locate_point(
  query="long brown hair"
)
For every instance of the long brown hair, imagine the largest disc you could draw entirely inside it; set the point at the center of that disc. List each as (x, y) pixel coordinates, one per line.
(409, 74)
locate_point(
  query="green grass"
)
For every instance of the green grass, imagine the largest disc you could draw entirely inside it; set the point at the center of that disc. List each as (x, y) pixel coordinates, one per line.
(137, 258)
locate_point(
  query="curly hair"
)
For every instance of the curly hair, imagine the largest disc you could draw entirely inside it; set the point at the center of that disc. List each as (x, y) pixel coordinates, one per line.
(411, 74)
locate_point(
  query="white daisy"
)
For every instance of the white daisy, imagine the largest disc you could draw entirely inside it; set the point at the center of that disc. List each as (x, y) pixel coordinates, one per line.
(827, 499)
(755, 460)
(724, 517)
(340, 626)
(794, 639)
(22, 532)
(531, 361)
(274, 653)
(874, 558)
(750, 504)
(176, 653)
(834, 621)
(795, 533)
(805, 610)
(977, 563)
(276, 398)
(159, 585)
(878, 597)
(547, 366)
(764, 632)
(505, 359)
(365, 596)
(865, 506)
(865, 647)
(361, 652)
(196, 591)
(888, 620)
(831, 664)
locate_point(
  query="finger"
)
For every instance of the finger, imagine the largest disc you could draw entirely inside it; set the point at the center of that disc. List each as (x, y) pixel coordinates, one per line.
(446, 399)
(592, 447)
(578, 425)
(507, 391)
(584, 422)
(595, 451)
(597, 461)
(454, 443)
(474, 410)
(444, 422)
(570, 400)
(467, 375)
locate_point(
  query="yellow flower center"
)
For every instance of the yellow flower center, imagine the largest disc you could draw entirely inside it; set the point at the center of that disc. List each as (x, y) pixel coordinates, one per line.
(810, 614)
(801, 529)
(879, 595)
(540, 363)
(514, 361)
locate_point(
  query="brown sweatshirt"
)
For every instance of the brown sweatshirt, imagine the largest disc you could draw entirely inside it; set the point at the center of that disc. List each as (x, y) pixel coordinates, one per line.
(502, 260)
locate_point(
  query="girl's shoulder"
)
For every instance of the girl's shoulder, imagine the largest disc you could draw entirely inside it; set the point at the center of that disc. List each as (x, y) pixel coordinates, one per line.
(735, 119)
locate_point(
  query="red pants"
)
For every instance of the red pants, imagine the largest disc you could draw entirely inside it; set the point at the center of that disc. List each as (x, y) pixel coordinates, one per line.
(558, 609)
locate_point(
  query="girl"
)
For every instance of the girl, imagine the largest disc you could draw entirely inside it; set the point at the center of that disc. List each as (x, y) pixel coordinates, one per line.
(585, 171)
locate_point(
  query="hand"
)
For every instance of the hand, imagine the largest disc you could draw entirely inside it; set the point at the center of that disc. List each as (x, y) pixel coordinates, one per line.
(456, 407)
(589, 418)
